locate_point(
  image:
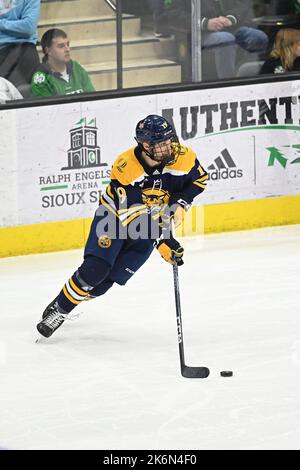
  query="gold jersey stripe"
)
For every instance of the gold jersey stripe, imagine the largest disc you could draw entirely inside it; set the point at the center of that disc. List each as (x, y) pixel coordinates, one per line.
(201, 170)
(108, 206)
(76, 302)
(201, 185)
(76, 289)
(132, 209)
(109, 192)
(203, 178)
(134, 216)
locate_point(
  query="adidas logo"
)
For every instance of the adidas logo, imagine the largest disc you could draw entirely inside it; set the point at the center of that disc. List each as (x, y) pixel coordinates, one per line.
(224, 168)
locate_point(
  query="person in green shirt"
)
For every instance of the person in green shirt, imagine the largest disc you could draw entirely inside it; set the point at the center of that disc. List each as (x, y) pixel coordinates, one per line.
(59, 74)
(297, 6)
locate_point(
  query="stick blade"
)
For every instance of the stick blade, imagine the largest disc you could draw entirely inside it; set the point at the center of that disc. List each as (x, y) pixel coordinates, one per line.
(195, 372)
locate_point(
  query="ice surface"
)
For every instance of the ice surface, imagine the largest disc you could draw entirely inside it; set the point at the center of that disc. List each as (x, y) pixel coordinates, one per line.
(111, 380)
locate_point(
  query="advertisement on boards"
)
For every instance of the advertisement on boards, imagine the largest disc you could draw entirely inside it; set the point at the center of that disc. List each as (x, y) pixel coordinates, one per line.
(56, 160)
(247, 138)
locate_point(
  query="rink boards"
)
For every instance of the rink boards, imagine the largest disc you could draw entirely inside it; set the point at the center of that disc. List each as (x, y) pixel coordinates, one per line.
(71, 234)
(56, 160)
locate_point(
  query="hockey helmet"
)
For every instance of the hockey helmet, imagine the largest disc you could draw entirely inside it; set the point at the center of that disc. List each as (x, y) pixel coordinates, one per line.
(155, 130)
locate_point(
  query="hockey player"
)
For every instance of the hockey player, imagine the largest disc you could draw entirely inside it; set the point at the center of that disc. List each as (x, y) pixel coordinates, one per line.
(151, 184)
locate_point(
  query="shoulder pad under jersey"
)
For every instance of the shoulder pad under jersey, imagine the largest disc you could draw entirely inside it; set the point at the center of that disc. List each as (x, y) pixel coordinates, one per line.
(184, 162)
(127, 169)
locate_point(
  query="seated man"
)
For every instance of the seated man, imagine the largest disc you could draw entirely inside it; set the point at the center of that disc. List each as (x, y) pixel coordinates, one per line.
(225, 27)
(59, 74)
(18, 37)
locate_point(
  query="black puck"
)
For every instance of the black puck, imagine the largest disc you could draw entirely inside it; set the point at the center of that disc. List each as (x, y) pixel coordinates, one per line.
(226, 373)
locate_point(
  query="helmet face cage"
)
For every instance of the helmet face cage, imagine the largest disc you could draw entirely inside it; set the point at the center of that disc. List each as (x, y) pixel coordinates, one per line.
(164, 146)
(166, 151)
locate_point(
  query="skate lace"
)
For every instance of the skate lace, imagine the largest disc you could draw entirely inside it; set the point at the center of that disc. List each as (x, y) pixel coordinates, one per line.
(60, 317)
(54, 319)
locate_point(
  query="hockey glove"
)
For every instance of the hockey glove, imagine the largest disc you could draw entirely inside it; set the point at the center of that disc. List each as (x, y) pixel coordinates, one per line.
(179, 204)
(170, 249)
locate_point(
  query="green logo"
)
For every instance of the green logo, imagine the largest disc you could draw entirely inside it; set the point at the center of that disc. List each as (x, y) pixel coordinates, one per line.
(279, 156)
(92, 157)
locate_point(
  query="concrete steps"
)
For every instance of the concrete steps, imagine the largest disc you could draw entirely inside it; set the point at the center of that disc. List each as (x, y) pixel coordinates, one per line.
(135, 73)
(92, 27)
(74, 8)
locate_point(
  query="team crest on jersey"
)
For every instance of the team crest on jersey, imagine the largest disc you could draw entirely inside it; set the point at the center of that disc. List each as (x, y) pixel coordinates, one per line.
(104, 241)
(39, 78)
(152, 196)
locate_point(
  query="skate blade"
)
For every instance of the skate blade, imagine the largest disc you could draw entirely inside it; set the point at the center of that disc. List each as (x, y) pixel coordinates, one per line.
(40, 339)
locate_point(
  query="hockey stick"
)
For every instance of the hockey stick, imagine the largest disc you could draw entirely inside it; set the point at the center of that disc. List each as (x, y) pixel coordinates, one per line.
(186, 371)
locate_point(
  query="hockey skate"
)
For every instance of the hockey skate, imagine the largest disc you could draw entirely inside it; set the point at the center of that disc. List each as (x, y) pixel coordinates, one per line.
(52, 319)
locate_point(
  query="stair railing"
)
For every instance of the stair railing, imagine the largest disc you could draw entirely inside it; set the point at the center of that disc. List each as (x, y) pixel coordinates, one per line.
(111, 4)
(117, 8)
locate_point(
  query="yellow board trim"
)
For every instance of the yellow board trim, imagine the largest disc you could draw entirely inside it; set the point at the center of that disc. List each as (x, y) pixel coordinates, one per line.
(256, 213)
(213, 218)
(42, 238)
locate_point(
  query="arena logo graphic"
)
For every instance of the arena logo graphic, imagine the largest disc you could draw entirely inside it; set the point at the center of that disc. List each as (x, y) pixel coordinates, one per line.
(284, 156)
(84, 151)
(84, 177)
(224, 168)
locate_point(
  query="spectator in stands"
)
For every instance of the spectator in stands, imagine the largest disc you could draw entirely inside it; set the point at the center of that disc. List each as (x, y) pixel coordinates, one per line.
(160, 17)
(284, 7)
(227, 25)
(8, 91)
(297, 7)
(18, 37)
(59, 74)
(285, 55)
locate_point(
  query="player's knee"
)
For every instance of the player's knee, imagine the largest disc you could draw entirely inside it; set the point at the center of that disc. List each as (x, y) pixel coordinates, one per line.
(94, 270)
(101, 288)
